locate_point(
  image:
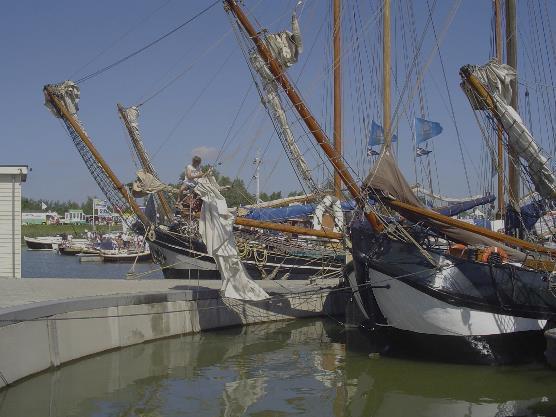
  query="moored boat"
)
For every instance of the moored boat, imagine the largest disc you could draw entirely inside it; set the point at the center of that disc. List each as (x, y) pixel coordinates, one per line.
(42, 242)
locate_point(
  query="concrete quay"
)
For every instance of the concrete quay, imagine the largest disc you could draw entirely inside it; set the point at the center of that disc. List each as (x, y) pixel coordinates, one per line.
(47, 322)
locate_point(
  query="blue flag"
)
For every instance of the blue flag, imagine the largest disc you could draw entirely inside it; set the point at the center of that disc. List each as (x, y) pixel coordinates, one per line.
(425, 129)
(377, 135)
(422, 151)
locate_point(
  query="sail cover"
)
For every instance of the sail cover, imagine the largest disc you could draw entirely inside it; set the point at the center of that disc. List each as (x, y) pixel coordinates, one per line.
(215, 226)
(496, 79)
(387, 178)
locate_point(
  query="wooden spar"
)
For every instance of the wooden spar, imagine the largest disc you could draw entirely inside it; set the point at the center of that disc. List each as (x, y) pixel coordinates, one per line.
(144, 160)
(500, 237)
(337, 93)
(500, 162)
(386, 74)
(336, 159)
(287, 228)
(61, 108)
(306, 115)
(511, 60)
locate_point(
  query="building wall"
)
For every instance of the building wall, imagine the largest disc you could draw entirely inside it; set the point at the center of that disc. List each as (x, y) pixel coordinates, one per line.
(10, 225)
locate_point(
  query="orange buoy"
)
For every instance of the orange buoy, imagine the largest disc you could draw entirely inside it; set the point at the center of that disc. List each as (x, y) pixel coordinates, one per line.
(493, 254)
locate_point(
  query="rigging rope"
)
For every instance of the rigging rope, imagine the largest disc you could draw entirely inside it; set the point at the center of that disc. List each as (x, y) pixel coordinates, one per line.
(149, 45)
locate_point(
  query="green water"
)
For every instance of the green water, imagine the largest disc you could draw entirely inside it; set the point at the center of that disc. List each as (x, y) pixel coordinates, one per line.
(304, 367)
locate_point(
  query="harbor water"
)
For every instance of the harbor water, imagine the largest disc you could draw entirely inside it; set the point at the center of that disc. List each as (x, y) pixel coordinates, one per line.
(304, 367)
(48, 264)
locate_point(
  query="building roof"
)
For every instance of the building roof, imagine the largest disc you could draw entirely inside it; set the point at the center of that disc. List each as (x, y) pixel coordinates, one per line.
(15, 169)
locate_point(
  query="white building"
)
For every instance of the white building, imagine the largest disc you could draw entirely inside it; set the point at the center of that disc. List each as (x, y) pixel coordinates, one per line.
(11, 177)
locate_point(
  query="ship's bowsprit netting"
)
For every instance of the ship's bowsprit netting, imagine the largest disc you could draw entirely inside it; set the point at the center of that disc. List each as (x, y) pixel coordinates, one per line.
(109, 189)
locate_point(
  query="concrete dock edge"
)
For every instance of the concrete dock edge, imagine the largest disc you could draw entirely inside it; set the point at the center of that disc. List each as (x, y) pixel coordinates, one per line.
(41, 335)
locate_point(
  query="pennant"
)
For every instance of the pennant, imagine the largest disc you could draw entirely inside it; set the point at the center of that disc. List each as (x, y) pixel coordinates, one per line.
(377, 135)
(43, 206)
(422, 152)
(425, 129)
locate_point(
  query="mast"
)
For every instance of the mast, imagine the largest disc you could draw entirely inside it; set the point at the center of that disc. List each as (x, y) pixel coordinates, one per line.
(309, 120)
(144, 160)
(500, 161)
(63, 111)
(511, 60)
(257, 163)
(337, 93)
(353, 188)
(386, 74)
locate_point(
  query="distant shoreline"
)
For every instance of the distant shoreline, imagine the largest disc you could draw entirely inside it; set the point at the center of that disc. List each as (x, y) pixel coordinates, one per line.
(77, 230)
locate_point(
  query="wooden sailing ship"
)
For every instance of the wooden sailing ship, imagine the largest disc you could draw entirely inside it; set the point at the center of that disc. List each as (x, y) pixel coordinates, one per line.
(488, 302)
(487, 297)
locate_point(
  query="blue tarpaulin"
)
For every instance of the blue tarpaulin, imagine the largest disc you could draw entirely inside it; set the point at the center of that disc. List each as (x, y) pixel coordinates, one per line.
(300, 210)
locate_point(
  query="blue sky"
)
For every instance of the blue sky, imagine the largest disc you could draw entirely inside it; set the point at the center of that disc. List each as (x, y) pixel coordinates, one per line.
(48, 42)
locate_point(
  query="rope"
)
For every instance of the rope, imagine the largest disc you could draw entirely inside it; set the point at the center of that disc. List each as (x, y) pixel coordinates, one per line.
(149, 45)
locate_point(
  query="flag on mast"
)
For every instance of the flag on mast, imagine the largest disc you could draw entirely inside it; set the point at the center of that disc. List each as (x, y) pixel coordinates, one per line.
(426, 129)
(377, 135)
(422, 152)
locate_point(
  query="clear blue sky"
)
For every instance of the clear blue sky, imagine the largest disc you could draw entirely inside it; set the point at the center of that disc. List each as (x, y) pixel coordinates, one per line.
(47, 42)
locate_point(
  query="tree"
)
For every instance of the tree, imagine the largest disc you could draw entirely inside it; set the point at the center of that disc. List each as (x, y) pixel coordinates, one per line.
(237, 194)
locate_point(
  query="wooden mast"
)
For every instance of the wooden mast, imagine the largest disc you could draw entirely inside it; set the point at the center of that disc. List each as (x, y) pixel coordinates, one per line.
(356, 192)
(144, 160)
(511, 59)
(63, 111)
(500, 163)
(60, 107)
(337, 93)
(306, 115)
(386, 74)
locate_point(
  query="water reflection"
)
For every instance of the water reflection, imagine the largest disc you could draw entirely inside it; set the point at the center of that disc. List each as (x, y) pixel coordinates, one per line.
(304, 367)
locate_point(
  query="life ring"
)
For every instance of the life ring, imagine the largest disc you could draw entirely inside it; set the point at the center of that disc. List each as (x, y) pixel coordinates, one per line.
(494, 255)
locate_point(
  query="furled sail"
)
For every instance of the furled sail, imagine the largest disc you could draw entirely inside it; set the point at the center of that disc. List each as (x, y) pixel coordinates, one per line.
(496, 79)
(132, 116)
(386, 177)
(68, 93)
(285, 47)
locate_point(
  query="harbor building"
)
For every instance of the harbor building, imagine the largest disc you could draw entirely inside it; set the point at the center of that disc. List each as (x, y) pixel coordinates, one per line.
(11, 177)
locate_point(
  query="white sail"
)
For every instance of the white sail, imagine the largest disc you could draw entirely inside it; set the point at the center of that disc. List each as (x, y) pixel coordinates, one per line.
(285, 47)
(496, 78)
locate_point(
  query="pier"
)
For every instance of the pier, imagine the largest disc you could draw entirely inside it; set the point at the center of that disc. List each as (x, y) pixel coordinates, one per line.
(46, 322)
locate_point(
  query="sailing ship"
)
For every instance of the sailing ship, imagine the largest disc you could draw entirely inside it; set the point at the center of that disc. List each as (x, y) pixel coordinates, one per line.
(446, 287)
(489, 297)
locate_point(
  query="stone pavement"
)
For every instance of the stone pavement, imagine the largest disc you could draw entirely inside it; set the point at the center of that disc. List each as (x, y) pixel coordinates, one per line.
(17, 292)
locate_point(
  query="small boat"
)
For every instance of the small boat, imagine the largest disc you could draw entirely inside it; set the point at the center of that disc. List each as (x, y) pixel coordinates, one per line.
(125, 256)
(42, 242)
(72, 250)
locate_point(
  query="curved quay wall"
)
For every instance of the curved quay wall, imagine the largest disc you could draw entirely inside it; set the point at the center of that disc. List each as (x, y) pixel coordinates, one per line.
(37, 336)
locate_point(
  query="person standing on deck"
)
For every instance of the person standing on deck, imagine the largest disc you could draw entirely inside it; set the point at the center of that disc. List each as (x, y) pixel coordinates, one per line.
(191, 175)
